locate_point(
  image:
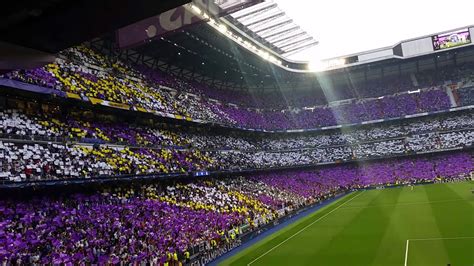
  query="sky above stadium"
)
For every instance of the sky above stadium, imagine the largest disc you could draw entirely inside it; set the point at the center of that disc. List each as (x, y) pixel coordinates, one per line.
(344, 27)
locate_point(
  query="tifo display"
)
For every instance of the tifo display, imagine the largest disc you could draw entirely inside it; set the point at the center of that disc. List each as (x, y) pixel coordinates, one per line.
(105, 161)
(85, 74)
(60, 144)
(159, 223)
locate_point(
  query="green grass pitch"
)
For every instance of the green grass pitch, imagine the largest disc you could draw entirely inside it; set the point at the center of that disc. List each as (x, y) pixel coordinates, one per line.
(430, 225)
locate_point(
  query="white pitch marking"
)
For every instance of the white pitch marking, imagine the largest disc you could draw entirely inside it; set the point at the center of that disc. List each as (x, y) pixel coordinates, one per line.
(406, 252)
(443, 238)
(428, 239)
(403, 204)
(304, 228)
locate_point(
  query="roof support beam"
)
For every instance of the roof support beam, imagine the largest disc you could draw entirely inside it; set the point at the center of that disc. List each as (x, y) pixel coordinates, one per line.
(265, 19)
(295, 42)
(277, 33)
(161, 64)
(261, 9)
(291, 36)
(285, 22)
(297, 49)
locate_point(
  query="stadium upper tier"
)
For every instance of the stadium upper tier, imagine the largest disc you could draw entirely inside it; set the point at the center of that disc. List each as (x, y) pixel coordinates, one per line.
(85, 74)
(50, 143)
(170, 222)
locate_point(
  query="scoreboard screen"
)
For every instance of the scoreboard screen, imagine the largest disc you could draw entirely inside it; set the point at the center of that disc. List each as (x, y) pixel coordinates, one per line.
(451, 39)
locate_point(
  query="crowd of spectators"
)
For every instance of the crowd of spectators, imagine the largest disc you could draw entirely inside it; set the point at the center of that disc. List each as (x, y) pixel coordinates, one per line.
(421, 143)
(466, 95)
(353, 136)
(169, 222)
(15, 122)
(47, 147)
(85, 126)
(89, 74)
(31, 162)
(52, 161)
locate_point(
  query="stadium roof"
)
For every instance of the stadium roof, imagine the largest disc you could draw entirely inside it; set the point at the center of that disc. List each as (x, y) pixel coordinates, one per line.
(54, 25)
(270, 25)
(32, 31)
(198, 53)
(345, 27)
(203, 52)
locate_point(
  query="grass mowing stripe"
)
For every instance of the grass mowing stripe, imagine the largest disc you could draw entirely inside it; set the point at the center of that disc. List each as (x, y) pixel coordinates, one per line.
(442, 251)
(267, 242)
(403, 204)
(356, 221)
(304, 228)
(444, 215)
(376, 235)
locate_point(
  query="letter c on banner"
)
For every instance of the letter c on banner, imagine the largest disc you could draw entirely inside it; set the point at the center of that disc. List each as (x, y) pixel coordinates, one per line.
(167, 22)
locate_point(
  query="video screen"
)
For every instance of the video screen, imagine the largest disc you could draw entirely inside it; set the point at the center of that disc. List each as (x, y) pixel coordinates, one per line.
(451, 39)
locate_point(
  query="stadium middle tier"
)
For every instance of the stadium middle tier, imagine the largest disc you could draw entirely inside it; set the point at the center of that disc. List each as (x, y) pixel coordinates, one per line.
(156, 223)
(49, 143)
(87, 75)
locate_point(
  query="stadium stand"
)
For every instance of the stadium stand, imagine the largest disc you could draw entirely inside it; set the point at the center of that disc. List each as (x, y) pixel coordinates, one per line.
(466, 95)
(49, 146)
(106, 160)
(171, 222)
(90, 75)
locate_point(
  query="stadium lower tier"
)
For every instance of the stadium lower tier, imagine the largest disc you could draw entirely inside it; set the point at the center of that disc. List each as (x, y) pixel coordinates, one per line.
(169, 222)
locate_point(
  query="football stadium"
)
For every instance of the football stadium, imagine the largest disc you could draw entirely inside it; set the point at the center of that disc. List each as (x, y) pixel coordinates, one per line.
(236, 132)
